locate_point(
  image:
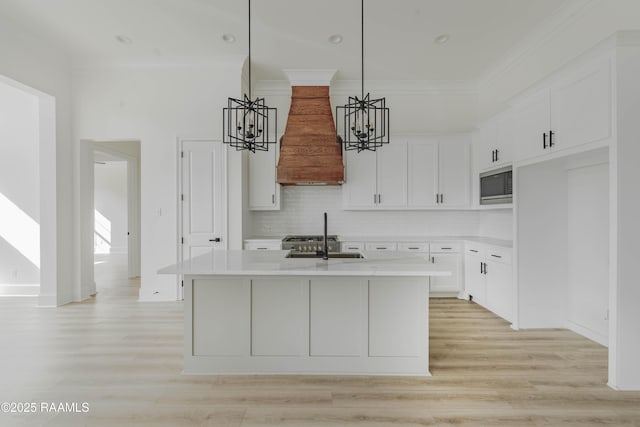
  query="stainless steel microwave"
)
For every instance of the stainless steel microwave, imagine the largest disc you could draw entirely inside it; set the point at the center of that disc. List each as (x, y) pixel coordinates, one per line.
(496, 186)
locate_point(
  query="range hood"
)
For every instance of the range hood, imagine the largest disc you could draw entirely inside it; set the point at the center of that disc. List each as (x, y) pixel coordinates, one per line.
(309, 152)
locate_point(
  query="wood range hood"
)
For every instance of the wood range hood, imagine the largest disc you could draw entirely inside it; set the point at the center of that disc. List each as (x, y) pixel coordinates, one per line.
(309, 152)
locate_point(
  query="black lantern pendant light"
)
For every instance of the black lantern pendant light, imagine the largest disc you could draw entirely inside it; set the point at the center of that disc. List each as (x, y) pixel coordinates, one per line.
(249, 124)
(365, 121)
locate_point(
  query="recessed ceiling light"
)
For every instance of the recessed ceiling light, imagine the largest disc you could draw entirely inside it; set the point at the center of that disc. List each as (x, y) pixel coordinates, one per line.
(121, 38)
(335, 38)
(229, 38)
(441, 39)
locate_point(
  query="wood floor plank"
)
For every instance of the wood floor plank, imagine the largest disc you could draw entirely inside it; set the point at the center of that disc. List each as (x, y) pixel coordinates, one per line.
(124, 358)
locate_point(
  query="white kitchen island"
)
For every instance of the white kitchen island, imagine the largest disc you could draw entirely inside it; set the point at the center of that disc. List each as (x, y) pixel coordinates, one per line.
(258, 312)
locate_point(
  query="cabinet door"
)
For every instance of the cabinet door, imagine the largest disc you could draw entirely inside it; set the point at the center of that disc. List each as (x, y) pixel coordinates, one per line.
(532, 120)
(453, 173)
(505, 134)
(359, 189)
(484, 145)
(499, 289)
(422, 173)
(474, 279)
(264, 192)
(581, 109)
(392, 175)
(446, 283)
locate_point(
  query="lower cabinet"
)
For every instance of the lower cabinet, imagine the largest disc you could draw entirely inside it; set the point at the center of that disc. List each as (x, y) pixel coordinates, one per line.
(489, 278)
(263, 244)
(446, 254)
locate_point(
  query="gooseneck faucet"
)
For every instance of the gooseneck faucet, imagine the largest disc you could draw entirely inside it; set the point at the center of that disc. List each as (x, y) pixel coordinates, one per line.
(325, 245)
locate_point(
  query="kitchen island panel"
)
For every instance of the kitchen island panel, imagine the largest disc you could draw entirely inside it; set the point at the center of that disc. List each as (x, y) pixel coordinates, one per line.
(338, 316)
(398, 317)
(221, 313)
(279, 316)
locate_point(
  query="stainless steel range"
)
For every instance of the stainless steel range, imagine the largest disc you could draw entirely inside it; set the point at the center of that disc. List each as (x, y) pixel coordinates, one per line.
(307, 243)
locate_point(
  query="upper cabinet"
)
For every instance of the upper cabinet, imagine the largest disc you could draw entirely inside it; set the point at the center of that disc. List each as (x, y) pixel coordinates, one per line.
(264, 192)
(494, 142)
(438, 172)
(373, 180)
(410, 173)
(573, 110)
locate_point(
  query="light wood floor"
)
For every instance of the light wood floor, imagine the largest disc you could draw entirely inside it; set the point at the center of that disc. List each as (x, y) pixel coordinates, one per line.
(124, 359)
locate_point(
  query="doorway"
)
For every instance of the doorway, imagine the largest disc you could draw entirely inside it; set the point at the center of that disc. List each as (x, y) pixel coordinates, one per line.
(111, 219)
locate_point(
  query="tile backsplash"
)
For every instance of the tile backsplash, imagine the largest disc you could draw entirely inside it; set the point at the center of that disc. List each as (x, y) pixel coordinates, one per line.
(302, 208)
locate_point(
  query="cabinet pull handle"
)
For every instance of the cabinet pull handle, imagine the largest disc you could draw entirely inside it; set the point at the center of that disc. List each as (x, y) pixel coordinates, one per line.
(544, 141)
(481, 268)
(473, 250)
(445, 249)
(379, 198)
(497, 154)
(433, 260)
(217, 239)
(413, 248)
(437, 198)
(441, 198)
(273, 198)
(375, 198)
(551, 144)
(496, 256)
(262, 248)
(485, 267)
(381, 247)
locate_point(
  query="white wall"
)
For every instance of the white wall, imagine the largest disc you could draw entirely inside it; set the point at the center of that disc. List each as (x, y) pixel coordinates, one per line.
(541, 245)
(624, 345)
(302, 208)
(574, 30)
(414, 106)
(111, 203)
(45, 69)
(157, 104)
(19, 188)
(588, 250)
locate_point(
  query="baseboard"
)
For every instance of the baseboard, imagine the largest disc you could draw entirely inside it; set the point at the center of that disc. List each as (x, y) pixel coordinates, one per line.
(47, 300)
(588, 333)
(19, 290)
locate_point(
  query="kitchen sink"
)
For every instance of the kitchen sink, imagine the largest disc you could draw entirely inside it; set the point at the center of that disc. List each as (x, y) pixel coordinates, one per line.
(331, 255)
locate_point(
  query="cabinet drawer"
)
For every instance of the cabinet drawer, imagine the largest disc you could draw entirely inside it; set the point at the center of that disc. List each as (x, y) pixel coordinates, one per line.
(445, 247)
(381, 246)
(499, 254)
(476, 249)
(413, 247)
(265, 245)
(352, 246)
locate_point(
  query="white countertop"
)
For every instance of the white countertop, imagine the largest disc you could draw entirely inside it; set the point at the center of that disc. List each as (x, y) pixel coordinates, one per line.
(410, 239)
(274, 263)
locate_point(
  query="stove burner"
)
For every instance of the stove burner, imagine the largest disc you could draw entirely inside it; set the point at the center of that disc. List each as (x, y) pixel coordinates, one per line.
(309, 243)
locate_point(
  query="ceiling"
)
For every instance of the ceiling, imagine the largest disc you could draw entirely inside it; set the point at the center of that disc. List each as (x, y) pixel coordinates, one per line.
(399, 35)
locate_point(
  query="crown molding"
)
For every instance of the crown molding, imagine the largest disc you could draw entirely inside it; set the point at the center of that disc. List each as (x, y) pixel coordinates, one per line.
(391, 87)
(317, 77)
(548, 29)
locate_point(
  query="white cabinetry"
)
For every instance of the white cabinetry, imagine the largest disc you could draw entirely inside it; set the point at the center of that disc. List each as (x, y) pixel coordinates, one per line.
(263, 244)
(572, 110)
(352, 246)
(415, 173)
(488, 278)
(376, 179)
(438, 172)
(494, 144)
(264, 192)
(446, 254)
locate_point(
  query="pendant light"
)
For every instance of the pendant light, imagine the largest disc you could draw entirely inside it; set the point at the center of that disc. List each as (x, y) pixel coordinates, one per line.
(249, 124)
(364, 121)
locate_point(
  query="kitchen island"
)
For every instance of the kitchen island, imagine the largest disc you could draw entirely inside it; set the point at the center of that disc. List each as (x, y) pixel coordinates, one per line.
(259, 312)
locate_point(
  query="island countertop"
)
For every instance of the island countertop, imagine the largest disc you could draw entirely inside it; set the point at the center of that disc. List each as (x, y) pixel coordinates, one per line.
(275, 263)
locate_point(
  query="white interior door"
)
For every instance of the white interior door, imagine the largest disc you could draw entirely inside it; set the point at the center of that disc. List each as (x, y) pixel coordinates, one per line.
(202, 201)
